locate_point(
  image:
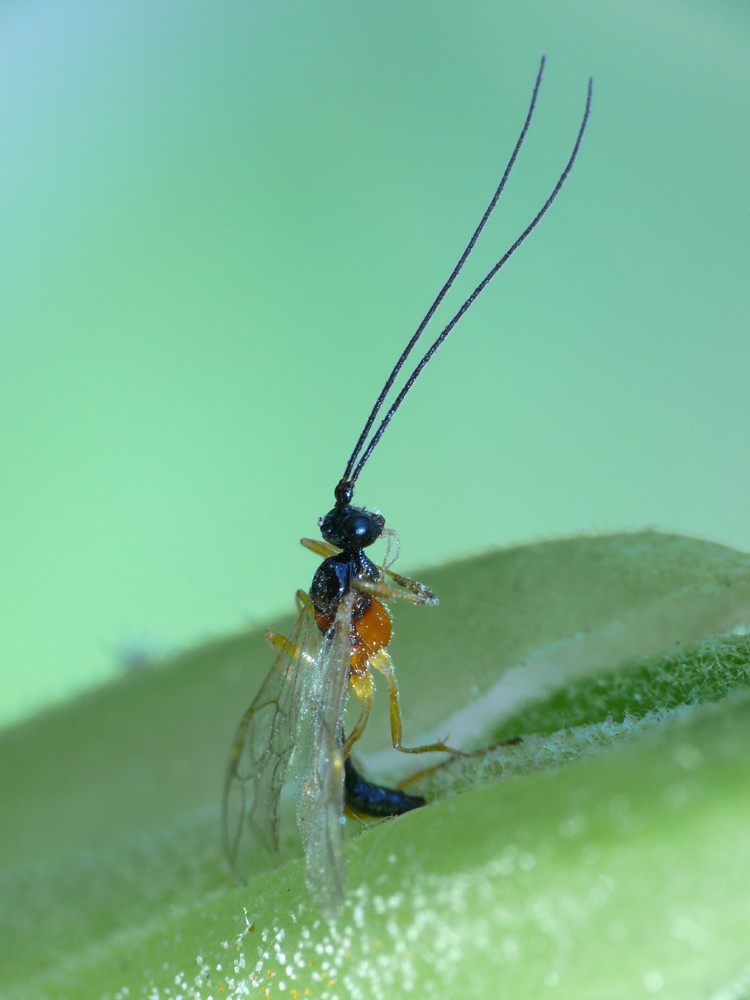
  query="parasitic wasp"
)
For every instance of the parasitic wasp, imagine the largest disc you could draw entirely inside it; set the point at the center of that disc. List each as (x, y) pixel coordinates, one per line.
(294, 729)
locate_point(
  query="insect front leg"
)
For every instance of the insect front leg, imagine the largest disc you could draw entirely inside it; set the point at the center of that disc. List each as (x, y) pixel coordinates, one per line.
(319, 547)
(407, 590)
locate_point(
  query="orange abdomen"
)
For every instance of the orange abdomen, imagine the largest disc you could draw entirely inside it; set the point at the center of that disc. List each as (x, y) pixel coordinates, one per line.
(371, 631)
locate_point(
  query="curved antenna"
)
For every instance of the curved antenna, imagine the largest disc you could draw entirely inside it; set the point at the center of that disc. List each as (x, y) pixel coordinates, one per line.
(441, 294)
(346, 486)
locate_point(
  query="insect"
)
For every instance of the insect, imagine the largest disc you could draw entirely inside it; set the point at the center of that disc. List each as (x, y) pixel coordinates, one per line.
(294, 729)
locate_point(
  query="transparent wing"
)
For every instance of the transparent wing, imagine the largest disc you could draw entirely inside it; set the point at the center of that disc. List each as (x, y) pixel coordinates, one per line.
(319, 765)
(263, 746)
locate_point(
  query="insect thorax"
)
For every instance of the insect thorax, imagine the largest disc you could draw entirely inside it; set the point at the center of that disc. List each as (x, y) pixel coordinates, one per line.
(335, 577)
(351, 529)
(370, 625)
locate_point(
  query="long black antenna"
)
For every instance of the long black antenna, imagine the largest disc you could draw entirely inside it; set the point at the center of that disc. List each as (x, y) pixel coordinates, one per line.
(441, 294)
(345, 488)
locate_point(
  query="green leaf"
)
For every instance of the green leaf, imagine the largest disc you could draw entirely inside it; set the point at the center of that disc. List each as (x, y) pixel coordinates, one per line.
(606, 855)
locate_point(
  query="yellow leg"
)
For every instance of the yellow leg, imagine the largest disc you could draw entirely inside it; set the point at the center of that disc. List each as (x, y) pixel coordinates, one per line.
(361, 685)
(275, 640)
(319, 547)
(382, 662)
(278, 644)
(418, 775)
(407, 590)
(421, 591)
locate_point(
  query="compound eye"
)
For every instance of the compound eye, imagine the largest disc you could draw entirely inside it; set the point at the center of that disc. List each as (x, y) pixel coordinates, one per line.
(364, 527)
(357, 526)
(351, 527)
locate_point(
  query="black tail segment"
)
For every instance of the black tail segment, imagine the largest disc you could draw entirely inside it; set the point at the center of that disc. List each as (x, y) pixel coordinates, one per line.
(366, 799)
(359, 456)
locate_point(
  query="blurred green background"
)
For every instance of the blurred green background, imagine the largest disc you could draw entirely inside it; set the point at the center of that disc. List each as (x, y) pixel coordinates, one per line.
(219, 223)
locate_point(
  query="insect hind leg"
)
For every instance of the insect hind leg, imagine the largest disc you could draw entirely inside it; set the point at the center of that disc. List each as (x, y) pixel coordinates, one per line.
(382, 662)
(361, 685)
